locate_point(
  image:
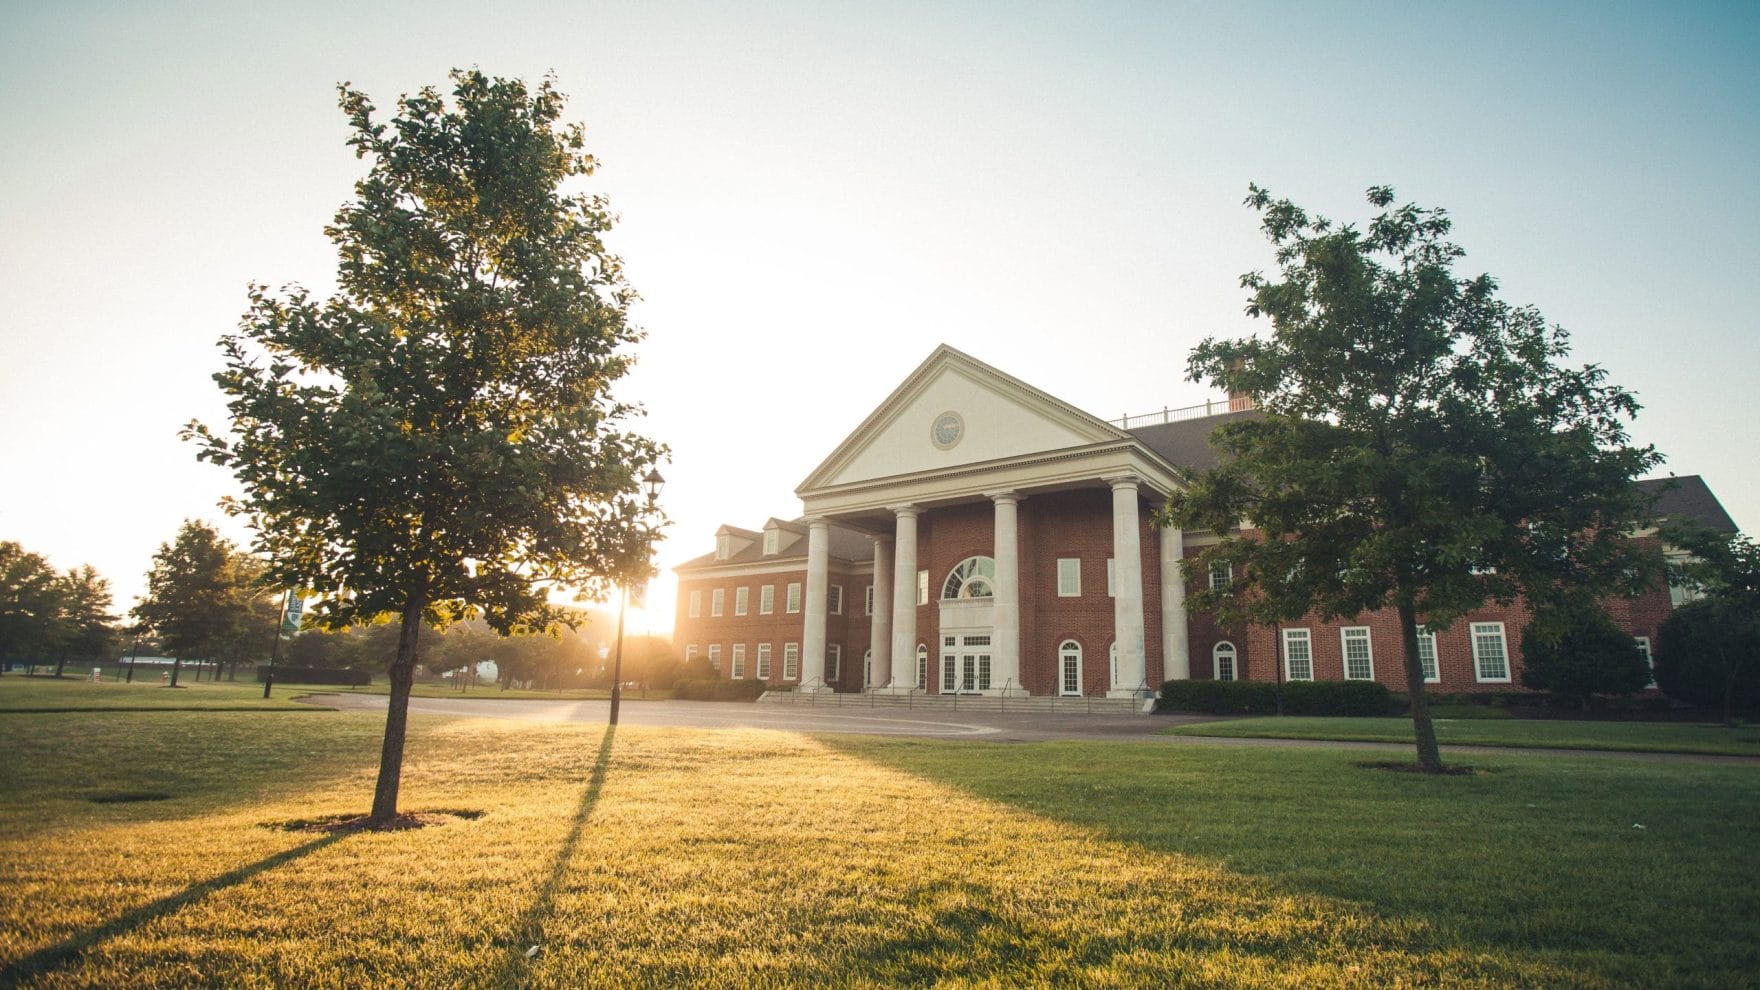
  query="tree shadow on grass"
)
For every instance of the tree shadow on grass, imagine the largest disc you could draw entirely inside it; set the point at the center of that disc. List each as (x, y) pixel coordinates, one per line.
(528, 930)
(67, 952)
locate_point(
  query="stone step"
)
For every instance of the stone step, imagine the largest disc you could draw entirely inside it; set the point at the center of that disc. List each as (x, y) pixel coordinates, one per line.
(954, 703)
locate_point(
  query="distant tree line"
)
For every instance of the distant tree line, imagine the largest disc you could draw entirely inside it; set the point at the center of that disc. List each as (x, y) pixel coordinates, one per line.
(52, 617)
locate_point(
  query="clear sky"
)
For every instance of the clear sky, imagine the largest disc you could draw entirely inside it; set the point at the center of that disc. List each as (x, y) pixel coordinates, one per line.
(814, 195)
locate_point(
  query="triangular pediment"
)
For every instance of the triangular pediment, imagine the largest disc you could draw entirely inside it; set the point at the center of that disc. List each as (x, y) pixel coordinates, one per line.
(955, 411)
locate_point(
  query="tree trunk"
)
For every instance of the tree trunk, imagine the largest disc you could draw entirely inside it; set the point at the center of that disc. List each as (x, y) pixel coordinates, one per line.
(1429, 755)
(60, 665)
(176, 667)
(397, 714)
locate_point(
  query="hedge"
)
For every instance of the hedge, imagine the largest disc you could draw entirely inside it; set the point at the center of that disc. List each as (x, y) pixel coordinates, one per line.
(718, 690)
(1260, 697)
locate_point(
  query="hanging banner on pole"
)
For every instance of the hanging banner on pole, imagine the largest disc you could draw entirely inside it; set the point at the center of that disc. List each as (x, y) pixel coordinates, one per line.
(291, 614)
(638, 596)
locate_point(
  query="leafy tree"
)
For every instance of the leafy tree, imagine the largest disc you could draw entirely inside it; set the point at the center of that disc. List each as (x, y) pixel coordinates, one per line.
(1423, 447)
(31, 598)
(1708, 651)
(200, 599)
(439, 439)
(87, 628)
(1575, 656)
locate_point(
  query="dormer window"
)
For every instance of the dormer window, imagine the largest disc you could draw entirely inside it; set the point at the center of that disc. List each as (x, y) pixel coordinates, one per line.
(723, 546)
(772, 542)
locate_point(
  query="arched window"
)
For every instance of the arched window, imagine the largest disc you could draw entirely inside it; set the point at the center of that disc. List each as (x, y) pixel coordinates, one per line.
(973, 578)
(1222, 659)
(868, 669)
(1069, 667)
(922, 666)
(1112, 664)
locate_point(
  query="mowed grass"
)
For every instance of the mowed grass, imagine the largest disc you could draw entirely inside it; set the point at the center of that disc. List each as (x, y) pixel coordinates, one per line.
(49, 694)
(669, 857)
(1643, 737)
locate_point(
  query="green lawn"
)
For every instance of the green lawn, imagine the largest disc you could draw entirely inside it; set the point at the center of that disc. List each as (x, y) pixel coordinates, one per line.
(1646, 737)
(658, 858)
(44, 693)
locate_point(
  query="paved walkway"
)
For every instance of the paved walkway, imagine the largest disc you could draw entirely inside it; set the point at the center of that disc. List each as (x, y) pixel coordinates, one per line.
(976, 726)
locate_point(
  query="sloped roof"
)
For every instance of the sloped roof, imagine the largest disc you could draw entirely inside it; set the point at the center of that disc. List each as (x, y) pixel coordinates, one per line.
(846, 545)
(1186, 444)
(1688, 499)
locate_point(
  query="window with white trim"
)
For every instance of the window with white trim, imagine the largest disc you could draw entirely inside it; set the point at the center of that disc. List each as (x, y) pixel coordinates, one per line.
(834, 599)
(868, 668)
(794, 597)
(834, 662)
(1490, 653)
(1650, 664)
(1111, 578)
(739, 661)
(1427, 656)
(767, 599)
(696, 604)
(723, 546)
(973, 577)
(1069, 577)
(791, 661)
(922, 666)
(1359, 653)
(718, 602)
(1222, 661)
(1112, 664)
(715, 657)
(922, 587)
(1221, 575)
(1069, 668)
(742, 597)
(868, 606)
(1298, 655)
(763, 661)
(690, 653)
(772, 541)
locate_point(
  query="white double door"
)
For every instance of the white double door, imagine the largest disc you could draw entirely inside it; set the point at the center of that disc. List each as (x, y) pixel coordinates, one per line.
(965, 663)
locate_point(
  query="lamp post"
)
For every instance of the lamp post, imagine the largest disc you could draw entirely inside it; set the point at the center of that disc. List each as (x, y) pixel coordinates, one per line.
(652, 482)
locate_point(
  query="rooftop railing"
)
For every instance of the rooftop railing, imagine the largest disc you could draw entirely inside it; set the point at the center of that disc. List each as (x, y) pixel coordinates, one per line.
(1215, 407)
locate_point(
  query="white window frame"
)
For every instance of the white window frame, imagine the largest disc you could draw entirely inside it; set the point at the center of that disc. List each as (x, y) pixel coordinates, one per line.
(772, 542)
(834, 662)
(690, 653)
(723, 546)
(1219, 652)
(793, 605)
(1305, 637)
(767, 599)
(1433, 673)
(1221, 576)
(742, 600)
(922, 587)
(1069, 577)
(715, 657)
(868, 608)
(1491, 631)
(763, 671)
(868, 669)
(739, 662)
(834, 599)
(791, 661)
(717, 603)
(1345, 635)
(696, 611)
(1111, 578)
(1069, 656)
(1649, 661)
(922, 666)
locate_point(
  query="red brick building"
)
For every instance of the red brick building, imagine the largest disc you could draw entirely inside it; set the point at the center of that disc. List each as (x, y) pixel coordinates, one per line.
(978, 536)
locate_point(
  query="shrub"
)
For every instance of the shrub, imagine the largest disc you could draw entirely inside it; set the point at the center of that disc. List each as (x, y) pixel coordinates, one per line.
(1260, 697)
(1708, 654)
(703, 689)
(1577, 656)
(288, 674)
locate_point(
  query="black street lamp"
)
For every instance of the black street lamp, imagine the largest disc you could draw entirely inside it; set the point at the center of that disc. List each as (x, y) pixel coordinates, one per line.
(652, 482)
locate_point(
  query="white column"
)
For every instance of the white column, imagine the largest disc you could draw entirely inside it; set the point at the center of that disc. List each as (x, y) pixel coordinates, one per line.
(880, 625)
(813, 636)
(1176, 644)
(1005, 648)
(1127, 587)
(904, 600)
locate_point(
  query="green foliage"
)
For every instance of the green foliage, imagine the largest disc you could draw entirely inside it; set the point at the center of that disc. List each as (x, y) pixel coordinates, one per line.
(1260, 697)
(1423, 446)
(715, 689)
(1708, 652)
(1575, 656)
(440, 434)
(45, 615)
(88, 628)
(205, 599)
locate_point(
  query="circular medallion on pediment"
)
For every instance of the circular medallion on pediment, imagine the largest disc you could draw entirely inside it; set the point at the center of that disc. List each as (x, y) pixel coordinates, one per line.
(947, 430)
